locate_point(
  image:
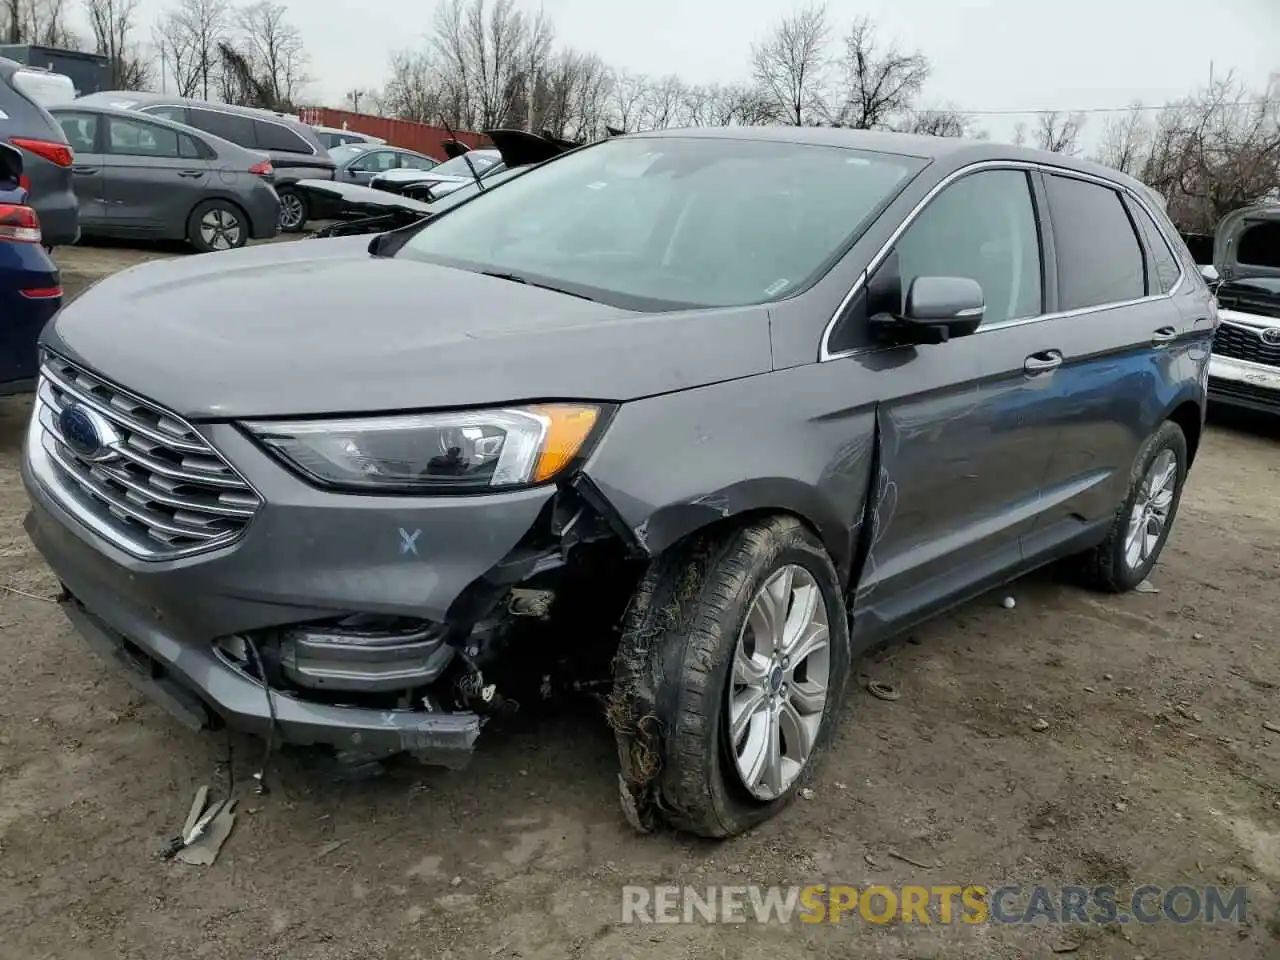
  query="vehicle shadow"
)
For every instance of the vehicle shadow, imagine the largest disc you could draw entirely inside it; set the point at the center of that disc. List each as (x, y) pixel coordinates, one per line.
(1250, 423)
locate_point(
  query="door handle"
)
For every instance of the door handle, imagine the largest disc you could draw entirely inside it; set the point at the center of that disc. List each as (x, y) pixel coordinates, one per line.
(1045, 361)
(1163, 336)
(191, 174)
(84, 171)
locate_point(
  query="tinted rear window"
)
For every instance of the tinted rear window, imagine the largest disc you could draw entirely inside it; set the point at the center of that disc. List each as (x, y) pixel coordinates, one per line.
(228, 126)
(277, 137)
(1099, 258)
(1164, 271)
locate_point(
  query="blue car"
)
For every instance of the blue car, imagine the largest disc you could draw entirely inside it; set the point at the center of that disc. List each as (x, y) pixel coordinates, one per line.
(30, 289)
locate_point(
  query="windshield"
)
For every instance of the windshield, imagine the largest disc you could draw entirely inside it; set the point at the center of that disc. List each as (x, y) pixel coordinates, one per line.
(346, 152)
(457, 167)
(664, 223)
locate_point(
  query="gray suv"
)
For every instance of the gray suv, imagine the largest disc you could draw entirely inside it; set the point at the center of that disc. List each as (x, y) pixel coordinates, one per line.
(606, 423)
(47, 158)
(295, 151)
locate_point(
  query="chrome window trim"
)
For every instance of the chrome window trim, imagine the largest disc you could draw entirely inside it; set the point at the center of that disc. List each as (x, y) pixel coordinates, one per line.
(824, 353)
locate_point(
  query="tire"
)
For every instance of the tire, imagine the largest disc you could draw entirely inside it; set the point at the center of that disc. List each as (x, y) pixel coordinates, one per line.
(294, 211)
(672, 677)
(216, 225)
(1110, 566)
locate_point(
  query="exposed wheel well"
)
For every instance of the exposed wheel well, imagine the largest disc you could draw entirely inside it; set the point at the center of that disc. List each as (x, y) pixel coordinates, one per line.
(1187, 416)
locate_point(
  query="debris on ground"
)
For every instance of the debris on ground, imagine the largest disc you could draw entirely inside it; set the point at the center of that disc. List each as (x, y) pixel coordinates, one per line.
(1040, 725)
(915, 863)
(883, 691)
(1269, 725)
(1008, 603)
(204, 831)
(806, 794)
(1146, 586)
(329, 847)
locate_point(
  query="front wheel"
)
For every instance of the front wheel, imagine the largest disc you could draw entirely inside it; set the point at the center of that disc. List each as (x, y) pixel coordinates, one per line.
(293, 211)
(729, 677)
(1142, 523)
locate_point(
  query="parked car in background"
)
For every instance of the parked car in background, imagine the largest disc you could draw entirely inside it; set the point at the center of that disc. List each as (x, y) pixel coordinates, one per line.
(293, 147)
(143, 176)
(1245, 276)
(442, 177)
(30, 290)
(334, 137)
(359, 162)
(47, 158)
(647, 411)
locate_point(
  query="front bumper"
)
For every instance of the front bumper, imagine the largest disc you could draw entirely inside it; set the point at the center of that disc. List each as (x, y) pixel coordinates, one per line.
(307, 555)
(1239, 383)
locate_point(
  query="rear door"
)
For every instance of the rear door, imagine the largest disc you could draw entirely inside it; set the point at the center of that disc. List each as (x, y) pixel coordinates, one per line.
(84, 133)
(155, 177)
(1123, 339)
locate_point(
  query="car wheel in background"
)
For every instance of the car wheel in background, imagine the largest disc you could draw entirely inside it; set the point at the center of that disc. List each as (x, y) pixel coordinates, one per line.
(217, 225)
(293, 211)
(1142, 524)
(729, 677)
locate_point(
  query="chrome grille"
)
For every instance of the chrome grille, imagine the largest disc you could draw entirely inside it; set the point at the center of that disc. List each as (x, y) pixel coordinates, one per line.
(167, 492)
(1244, 343)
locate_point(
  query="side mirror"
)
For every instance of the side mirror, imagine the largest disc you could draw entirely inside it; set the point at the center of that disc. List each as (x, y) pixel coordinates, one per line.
(1210, 274)
(351, 172)
(936, 309)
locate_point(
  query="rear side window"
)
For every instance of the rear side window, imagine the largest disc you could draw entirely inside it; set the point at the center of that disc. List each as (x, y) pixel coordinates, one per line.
(81, 130)
(1099, 258)
(228, 126)
(983, 227)
(134, 139)
(176, 114)
(1164, 271)
(274, 136)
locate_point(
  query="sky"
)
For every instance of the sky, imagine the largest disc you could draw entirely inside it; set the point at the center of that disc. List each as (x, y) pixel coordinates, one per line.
(987, 55)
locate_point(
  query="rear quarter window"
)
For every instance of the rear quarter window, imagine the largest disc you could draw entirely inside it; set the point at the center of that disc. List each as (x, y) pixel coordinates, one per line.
(279, 138)
(1100, 260)
(1164, 270)
(228, 126)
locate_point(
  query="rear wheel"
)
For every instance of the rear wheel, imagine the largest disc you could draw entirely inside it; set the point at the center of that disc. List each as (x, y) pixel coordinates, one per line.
(729, 677)
(293, 210)
(217, 225)
(1142, 523)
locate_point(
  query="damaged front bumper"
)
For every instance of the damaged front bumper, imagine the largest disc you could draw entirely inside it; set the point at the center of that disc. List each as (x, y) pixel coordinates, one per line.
(308, 564)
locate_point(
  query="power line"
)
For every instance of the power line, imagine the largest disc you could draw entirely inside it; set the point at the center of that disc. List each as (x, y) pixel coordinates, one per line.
(1086, 110)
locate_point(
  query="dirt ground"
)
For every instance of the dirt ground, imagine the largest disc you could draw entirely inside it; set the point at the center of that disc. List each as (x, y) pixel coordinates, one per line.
(1155, 767)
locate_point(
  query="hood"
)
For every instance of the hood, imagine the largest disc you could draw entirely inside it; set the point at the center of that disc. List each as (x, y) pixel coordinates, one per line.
(359, 198)
(520, 148)
(322, 327)
(1249, 297)
(1229, 234)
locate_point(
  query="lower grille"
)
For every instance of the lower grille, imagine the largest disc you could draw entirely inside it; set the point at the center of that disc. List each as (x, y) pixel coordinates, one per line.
(1244, 343)
(1246, 393)
(157, 489)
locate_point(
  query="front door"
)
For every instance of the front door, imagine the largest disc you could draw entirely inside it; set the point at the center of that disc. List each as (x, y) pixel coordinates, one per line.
(962, 447)
(155, 177)
(87, 168)
(368, 165)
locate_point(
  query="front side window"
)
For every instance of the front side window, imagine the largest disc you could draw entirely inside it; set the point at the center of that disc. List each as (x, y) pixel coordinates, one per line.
(982, 227)
(670, 222)
(166, 112)
(411, 161)
(1099, 258)
(81, 130)
(131, 138)
(376, 162)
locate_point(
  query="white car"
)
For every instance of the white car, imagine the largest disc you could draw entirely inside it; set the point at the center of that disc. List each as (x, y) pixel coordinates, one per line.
(333, 137)
(1244, 370)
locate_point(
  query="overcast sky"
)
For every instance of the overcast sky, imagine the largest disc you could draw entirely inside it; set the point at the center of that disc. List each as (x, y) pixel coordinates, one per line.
(987, 55)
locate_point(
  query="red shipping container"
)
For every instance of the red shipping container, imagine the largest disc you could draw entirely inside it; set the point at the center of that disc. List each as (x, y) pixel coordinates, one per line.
(409, 134)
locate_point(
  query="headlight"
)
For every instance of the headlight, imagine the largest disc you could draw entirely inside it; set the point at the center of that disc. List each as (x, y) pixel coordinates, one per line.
(461, 451)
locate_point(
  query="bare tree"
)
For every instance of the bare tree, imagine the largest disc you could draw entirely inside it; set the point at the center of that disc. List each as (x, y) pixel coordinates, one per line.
(945, 121)
(274, 51)
(879, 82)
(189, 37)
(42, 22)
(665, 103)
(414, 91)
(113, 23)
(572, 101)
(1126, 141)
(790, 64)
(1059, 132)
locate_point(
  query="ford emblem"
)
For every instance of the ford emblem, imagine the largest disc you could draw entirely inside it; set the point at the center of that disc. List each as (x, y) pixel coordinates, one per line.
(87, 433)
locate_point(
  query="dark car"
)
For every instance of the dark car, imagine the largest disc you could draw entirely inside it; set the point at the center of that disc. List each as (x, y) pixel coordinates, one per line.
(25, 124)
(30, 289)
(1245, 369)
(147, 177)
(295, 151)
(649, 416)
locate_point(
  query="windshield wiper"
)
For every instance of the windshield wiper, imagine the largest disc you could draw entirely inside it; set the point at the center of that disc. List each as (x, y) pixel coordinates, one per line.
(516, 278)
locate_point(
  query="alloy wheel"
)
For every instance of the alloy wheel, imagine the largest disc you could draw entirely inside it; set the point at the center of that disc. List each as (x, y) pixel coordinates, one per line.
(780, 681)
(220, 229)
(291, 212)
(1150, 515)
